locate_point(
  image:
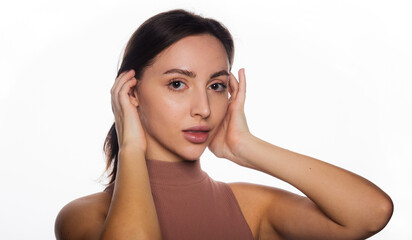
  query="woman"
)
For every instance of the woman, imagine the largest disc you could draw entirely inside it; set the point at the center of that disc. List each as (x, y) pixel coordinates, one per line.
(170, 101)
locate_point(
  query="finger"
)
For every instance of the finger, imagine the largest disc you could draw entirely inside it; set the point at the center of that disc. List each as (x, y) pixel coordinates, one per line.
(233, 86)
(242, 86)
(121, 105)
(116, 80)
(118, 83)
(124, 96)
(124, 76)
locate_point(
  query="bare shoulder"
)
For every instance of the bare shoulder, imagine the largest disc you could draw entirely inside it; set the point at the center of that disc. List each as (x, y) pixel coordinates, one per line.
(249, 188)
(83, 218)
(254, 200)
(255, 195)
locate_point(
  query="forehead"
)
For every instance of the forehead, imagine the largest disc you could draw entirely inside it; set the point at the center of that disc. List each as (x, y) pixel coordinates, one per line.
(197, 53)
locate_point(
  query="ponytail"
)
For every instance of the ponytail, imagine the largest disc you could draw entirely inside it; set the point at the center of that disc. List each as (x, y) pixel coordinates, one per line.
(111, 150)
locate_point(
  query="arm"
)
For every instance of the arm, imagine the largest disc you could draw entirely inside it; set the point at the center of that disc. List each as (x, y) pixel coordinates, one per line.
(342, 204)
(132, 211)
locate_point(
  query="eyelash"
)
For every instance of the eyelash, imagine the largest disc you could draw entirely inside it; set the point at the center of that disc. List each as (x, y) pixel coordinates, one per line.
(223, 86)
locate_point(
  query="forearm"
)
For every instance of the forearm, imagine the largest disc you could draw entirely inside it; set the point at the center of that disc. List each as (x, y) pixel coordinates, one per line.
(132, 213)
(344, 197)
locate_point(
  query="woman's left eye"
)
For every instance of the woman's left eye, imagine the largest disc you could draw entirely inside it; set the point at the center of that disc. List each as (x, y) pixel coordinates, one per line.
(220, 87)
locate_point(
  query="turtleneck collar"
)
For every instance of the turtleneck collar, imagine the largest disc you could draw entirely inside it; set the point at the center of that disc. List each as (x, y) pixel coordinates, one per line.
(174, 173)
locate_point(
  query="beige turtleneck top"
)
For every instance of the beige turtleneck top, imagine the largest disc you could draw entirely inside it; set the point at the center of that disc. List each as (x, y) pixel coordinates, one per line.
(191, 205)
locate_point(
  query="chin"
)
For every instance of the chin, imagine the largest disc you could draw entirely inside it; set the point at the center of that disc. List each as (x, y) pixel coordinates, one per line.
(193, 153)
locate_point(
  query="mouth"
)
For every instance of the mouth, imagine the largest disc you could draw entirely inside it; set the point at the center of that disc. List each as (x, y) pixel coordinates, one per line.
(197, 134)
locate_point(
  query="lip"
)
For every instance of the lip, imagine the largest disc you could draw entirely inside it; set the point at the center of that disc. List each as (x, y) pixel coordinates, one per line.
(198, 129)
(197, 134)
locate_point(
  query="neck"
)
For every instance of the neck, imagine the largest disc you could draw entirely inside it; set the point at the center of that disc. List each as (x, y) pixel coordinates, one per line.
(174, 173)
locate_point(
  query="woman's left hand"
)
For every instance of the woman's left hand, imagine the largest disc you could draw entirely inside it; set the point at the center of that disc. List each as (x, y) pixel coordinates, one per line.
(233, 130)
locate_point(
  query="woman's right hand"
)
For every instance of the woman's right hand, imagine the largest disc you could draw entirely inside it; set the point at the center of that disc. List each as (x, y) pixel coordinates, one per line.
(124, 105)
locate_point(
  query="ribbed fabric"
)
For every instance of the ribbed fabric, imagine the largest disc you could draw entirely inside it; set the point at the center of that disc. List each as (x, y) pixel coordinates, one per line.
(191, 205)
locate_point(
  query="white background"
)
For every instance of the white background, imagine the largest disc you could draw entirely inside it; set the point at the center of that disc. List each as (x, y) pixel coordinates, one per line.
(328, 79)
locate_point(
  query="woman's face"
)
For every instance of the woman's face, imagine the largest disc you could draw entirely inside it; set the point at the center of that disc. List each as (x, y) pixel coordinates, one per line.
(186, 87)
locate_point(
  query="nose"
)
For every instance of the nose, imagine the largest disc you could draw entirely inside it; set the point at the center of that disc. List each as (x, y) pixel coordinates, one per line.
(200, 104)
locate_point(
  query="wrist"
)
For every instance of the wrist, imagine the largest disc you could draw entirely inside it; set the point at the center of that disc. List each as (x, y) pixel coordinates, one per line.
(131, 150)
(244, 150)
(133, 145)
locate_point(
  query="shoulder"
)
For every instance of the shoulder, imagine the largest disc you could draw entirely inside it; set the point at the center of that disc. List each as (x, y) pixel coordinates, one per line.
(254, 201)
(251, 193)
(83, 218)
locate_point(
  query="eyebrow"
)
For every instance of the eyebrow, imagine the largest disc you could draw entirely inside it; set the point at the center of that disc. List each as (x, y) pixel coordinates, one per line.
(192, 74)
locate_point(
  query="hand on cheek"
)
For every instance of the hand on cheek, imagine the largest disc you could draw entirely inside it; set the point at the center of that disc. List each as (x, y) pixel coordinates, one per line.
(234, 126)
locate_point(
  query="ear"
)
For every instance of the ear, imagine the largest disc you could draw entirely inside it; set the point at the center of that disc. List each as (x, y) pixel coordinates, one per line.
(133, 96)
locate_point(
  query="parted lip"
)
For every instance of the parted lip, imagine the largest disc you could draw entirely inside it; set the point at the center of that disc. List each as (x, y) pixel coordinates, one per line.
(198, 129)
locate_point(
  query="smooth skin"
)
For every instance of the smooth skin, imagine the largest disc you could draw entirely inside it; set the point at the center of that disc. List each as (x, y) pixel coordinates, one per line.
(339, 204)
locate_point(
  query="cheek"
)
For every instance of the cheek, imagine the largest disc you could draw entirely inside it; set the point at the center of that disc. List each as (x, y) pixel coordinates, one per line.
(162, 114)
(219, 108)
(172, 113)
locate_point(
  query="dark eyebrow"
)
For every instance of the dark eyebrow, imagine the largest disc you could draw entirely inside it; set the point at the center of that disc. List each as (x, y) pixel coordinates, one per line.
(193, 75)
(220, 73)
(181, 71)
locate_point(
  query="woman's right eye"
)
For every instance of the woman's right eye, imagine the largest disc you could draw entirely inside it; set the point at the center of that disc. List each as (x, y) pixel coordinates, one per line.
(177, 85)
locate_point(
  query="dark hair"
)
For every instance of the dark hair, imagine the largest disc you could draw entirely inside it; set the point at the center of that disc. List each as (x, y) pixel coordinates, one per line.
(152, 37)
